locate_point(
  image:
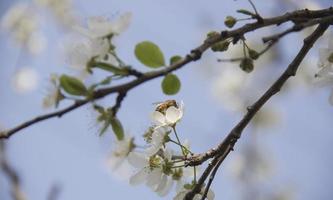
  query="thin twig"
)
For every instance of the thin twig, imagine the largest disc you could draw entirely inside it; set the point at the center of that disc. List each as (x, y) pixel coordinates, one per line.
(212, 175)
(262, 52)
(296, 28)
(119, 99)
(11, 174)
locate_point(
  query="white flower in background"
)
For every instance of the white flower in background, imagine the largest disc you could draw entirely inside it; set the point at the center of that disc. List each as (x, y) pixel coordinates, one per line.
(54, 95)
(228, 87)
(25, 80)
(80, 52)
(326, 55)
(157, 140)
(170, 116)
(325, 74)
(182, 193)
(122, 149)
(100, 26)
(21, 21)
(61, 9)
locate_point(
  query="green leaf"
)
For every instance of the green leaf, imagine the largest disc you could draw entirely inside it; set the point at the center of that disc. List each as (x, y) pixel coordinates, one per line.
(73, 85)
(171, 84)
(108, 67)
(175, 59)
(117, 128)
(246, 12)
(149, 54)
(104, 128)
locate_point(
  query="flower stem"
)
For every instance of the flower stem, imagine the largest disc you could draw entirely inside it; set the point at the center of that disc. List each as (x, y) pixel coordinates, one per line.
(179, 143)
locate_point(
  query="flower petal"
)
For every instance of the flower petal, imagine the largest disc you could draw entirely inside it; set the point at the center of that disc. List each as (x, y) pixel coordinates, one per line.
(173, 115)
(158, 118)
(137, 160)
(139, 177)
(154, 177)
(167, 188)
(162, 184)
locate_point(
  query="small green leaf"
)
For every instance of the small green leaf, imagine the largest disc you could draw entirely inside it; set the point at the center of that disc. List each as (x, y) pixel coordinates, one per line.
(104, 127)
(108, 67)
(171, 84)
(246, 12)
(117, 128)
(149, 54)
(73, 85)
(175, 59)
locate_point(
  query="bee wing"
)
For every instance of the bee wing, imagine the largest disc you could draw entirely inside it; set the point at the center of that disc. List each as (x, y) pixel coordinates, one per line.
(158, 103)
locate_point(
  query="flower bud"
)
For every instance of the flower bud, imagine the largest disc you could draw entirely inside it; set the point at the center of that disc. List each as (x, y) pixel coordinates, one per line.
(247, 65)
(253, 54)
(212, 34)
(230, 21)
(220, 46)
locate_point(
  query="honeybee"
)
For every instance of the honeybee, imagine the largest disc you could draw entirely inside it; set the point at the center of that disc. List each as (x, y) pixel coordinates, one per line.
(162, 107)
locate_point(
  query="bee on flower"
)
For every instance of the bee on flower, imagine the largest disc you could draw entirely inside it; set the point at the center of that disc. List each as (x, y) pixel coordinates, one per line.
(168, 113)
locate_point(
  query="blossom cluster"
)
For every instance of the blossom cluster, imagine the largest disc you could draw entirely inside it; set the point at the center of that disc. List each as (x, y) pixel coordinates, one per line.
(158, 165)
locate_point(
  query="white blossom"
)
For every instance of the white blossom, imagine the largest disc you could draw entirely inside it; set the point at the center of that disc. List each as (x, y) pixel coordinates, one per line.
(54, 96)
(171, 116)
(154, 170)
(149, 168)
(325, 74)
(61, 9)
(122, 149)
(79, 53)
(100, 26)
(22, 22)
(157, 140)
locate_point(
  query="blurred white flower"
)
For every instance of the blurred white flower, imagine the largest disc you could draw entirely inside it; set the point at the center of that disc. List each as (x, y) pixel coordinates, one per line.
(25, 80)
(228, 88)
(122, 149)
(99, 26)
(54, 95)
(171, 116)
(325, 74)
(61, 9)
(79, 53)
(21, 21)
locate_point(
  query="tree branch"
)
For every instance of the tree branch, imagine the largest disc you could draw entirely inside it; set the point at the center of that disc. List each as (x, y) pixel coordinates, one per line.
(224, 148)
(194, 55)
